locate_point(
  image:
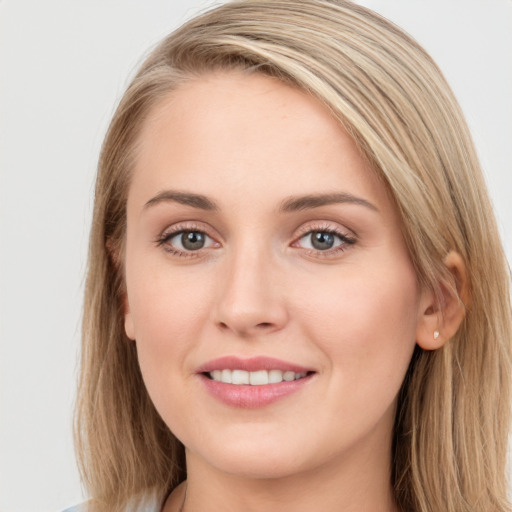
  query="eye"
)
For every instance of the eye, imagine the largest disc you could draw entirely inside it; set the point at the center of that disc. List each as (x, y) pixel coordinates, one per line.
(320, 240)
(324, 240)
(189, 240)
(185, 241)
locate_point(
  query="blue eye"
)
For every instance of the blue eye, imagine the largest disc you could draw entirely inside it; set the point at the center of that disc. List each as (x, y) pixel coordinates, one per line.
(324, 240)
(184, 241)
(321, 240)
(191, 240)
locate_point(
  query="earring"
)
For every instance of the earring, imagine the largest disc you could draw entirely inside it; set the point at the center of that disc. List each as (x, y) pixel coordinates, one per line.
(436, 335)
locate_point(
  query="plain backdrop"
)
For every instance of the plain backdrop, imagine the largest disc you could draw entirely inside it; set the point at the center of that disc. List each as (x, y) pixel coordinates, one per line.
(63, 67)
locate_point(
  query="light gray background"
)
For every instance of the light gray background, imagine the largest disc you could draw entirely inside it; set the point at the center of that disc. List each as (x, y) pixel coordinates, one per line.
(63, 66)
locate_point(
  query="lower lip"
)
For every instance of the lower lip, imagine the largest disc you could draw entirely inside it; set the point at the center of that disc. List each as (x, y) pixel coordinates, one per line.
(252, 397)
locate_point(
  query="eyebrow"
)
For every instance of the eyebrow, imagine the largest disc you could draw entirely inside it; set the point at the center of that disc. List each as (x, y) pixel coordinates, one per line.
(187, 198)
(300, 203)
(292, 204)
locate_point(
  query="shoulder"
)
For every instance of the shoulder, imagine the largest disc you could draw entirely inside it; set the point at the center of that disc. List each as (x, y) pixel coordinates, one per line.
(149, 504)
(77, 508)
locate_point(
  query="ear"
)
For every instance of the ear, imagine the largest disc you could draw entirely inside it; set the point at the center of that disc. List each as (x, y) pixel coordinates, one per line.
(440, 319)
(129, 326)
(114, 253)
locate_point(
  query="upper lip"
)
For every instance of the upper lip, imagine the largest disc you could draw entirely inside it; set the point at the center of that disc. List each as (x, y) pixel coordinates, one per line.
(251, 364)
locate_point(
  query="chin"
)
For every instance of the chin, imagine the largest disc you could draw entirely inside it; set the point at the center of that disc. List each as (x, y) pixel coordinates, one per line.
(258, 467)
(258, 456)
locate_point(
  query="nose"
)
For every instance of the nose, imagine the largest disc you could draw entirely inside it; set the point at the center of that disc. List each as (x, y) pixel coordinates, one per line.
(251, 301)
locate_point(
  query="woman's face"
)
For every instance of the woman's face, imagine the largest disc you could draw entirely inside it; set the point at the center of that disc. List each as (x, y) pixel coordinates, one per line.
(261, 249)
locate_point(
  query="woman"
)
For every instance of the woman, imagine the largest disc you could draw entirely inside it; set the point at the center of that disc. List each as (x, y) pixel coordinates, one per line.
(297, 298)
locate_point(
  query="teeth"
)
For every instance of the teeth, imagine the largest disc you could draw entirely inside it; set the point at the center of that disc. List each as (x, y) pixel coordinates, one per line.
(275, 376)
(239, 377)
(288, 376)
(258, 378)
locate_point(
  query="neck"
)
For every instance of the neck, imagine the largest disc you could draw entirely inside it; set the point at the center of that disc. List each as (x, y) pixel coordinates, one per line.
(358, 483)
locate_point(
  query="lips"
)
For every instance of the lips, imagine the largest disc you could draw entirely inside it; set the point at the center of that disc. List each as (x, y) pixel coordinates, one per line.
(254, 382)
(251, 365)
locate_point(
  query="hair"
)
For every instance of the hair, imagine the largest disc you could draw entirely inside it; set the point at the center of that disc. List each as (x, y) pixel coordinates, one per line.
(452, 420)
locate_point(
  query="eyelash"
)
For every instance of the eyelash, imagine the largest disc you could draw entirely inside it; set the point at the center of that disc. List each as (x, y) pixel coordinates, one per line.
(164, 239)
(345, 239)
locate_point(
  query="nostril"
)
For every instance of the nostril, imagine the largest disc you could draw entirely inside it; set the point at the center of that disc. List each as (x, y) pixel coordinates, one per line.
(244, 331)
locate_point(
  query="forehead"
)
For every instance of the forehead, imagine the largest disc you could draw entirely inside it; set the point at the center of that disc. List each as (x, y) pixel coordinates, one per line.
(251, 136)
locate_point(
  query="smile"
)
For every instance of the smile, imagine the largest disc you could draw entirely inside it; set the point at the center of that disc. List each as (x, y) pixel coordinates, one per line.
(256, 378)
(255, 382)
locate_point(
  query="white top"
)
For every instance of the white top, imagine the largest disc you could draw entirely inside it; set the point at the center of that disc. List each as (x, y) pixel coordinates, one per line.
(147, 504)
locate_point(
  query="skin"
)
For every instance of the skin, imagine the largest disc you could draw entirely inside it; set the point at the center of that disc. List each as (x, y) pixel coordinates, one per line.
(352, 314)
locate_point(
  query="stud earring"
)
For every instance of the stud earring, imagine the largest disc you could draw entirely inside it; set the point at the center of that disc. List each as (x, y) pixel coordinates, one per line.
(436, 335)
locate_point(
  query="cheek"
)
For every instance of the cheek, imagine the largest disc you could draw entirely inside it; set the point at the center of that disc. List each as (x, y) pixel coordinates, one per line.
(365, 322)
(164, 305)
(168, 315)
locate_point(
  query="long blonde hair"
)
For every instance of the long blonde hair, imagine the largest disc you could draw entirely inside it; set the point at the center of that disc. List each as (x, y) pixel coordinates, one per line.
(452, 423)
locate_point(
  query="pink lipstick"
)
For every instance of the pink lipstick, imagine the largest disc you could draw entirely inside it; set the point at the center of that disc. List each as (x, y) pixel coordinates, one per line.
(254, 382)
